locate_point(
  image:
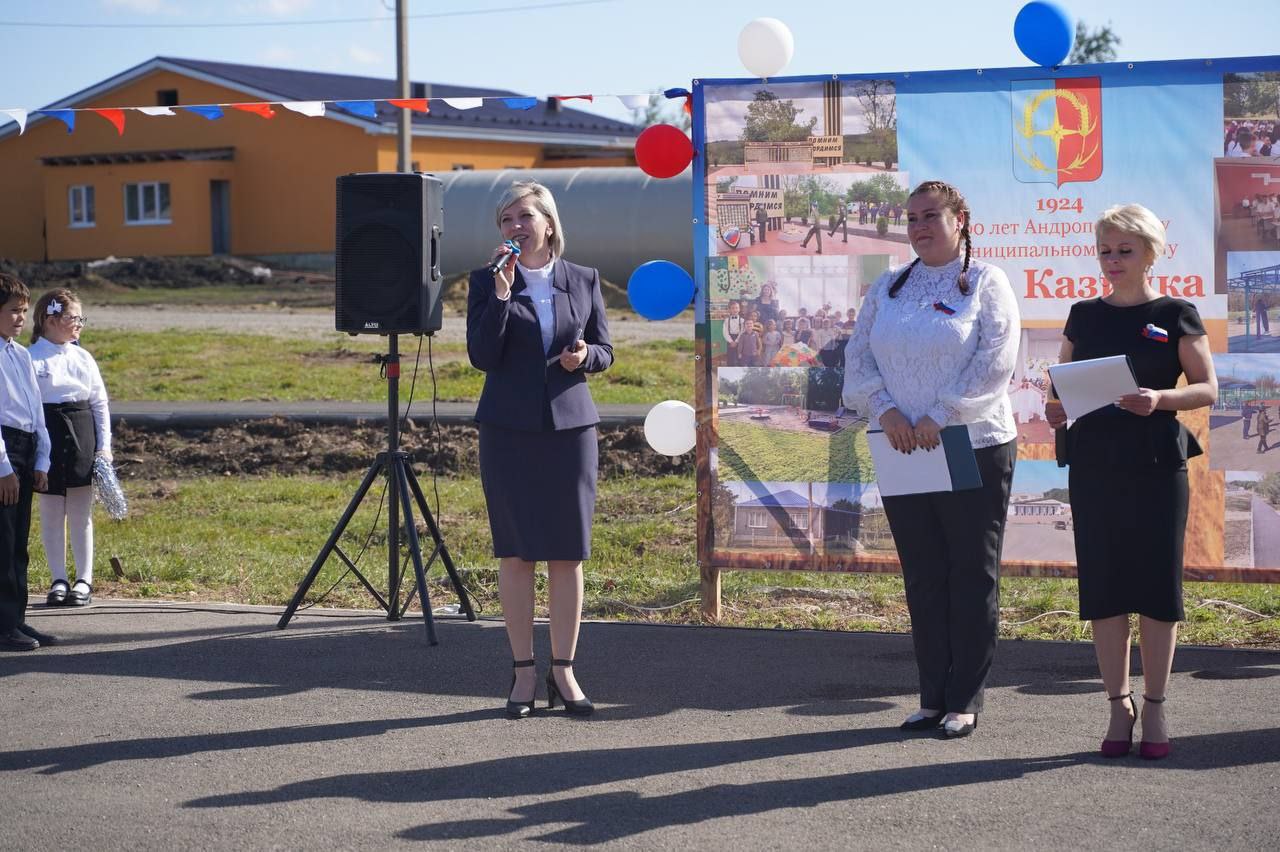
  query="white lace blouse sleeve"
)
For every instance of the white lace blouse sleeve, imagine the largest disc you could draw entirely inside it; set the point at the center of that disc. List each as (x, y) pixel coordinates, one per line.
(864, 387)
(986, 377)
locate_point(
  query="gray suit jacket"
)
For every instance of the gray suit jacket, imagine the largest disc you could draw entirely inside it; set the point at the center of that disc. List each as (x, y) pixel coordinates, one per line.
(505, 341)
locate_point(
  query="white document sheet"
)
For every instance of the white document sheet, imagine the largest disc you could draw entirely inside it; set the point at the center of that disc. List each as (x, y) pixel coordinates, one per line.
(917, 472)
(1085, 386)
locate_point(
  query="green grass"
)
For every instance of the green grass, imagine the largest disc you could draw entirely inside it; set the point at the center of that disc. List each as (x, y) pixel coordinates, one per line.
(759, 454)
(203, 366)
(251, 540)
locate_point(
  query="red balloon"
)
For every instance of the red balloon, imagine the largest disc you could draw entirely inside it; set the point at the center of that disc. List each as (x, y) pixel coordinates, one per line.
(663, 151)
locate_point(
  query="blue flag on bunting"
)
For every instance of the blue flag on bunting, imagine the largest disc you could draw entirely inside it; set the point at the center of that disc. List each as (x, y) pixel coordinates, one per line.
(364, 108)
(66, 116)
(213, 113)
(520, 103)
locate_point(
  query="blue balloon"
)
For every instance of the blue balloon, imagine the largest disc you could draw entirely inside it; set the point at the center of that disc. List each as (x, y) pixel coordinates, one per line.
(659, 289)
(1044, 33)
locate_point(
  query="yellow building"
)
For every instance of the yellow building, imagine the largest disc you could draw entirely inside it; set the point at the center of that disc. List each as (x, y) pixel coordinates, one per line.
(243, 184)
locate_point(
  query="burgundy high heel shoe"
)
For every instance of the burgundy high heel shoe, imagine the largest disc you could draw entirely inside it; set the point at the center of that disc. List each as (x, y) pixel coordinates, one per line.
(1121, 748)
(1153, 751)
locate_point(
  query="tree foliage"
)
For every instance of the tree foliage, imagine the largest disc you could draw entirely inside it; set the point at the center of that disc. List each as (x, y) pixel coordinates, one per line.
(770, 119)
(1251, 95)
(1093, 45)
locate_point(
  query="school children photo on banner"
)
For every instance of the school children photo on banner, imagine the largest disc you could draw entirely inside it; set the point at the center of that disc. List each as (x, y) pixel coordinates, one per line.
(801, 205)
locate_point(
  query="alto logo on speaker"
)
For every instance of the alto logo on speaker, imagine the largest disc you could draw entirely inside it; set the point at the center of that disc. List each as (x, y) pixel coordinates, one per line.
(371, 325)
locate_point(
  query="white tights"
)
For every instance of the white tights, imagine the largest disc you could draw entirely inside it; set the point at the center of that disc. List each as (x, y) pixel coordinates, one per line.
(59, 514)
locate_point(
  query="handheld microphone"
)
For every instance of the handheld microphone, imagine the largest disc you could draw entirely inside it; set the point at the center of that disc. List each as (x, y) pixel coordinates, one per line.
(509, 248)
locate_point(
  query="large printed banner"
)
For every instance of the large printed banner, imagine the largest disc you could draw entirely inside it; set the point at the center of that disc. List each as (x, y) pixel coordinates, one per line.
(800, 204)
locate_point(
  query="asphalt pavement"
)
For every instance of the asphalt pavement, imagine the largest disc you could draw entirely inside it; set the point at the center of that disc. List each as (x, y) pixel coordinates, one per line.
(163, 726)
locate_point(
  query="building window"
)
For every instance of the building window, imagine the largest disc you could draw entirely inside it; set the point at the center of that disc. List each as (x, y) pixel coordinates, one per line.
(80, 202)
(800, 520)
(463, 167)
(756, 520)
(146, 203)
(166, 97)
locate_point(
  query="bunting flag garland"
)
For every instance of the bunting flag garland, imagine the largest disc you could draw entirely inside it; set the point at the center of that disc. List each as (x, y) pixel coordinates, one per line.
(211, 111)
(115, 116)
(364, 108)
(263, 110)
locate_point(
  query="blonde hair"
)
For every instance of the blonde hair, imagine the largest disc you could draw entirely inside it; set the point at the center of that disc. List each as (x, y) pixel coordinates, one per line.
(1136, 220)
(543, 201)
(63, 297)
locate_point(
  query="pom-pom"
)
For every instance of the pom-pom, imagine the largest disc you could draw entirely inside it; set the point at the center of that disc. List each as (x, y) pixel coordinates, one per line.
(106, 486)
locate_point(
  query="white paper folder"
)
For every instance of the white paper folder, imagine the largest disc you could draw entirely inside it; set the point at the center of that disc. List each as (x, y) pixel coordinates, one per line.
(1084, 386)
(951, 466)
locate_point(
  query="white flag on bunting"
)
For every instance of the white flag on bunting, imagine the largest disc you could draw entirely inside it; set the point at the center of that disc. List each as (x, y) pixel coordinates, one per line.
(311, 108)
(18, 115)
(464, 103)
(155, 110)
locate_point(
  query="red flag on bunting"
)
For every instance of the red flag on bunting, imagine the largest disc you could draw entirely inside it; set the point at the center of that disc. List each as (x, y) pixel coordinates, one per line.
(415, 104)
(263, 110)
(115, 116)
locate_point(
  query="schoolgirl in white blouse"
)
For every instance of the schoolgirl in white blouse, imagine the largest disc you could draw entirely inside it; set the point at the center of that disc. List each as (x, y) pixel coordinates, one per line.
(79, 424)
(934, 346)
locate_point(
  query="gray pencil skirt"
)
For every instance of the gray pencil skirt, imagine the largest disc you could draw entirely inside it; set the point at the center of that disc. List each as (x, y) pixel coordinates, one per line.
(540, 488)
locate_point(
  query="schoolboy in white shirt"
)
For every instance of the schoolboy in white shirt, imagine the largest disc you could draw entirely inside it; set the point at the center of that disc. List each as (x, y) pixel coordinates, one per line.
(24, 465)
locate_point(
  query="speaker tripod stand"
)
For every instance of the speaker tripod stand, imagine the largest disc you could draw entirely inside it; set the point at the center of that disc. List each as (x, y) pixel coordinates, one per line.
(401, 484)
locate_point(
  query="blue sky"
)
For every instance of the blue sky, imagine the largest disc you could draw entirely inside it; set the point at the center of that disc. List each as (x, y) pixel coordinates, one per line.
(616, 46)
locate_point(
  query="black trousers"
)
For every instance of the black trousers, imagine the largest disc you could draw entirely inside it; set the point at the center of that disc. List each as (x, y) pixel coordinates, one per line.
(949, 545)
(15, 527)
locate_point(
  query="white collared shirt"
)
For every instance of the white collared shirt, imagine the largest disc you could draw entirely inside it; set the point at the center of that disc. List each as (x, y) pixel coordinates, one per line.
(20, 406)
(66, 372)
(537, 284)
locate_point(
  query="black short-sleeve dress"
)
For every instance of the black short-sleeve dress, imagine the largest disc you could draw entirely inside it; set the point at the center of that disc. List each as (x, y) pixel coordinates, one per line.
(1128, 479)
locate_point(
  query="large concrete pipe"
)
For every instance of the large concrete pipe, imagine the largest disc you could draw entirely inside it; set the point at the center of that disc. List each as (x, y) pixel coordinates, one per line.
(614, 218)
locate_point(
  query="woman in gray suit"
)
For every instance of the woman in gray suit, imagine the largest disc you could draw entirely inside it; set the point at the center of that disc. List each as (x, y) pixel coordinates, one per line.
(536, 326)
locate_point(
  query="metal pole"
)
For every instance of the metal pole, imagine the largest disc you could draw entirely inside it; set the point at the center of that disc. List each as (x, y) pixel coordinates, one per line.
(393, 490)
(404, 156)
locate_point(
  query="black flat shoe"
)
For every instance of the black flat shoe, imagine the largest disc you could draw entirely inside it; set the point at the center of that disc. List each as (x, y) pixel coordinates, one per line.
(42, 638)
(79, 598)
(924, 723)
(955, 730)
(581, 707)
(16, 640)
(520, 709)
(57, 593)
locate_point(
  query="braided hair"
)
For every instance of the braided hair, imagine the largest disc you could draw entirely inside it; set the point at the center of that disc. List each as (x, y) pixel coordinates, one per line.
(953, 201)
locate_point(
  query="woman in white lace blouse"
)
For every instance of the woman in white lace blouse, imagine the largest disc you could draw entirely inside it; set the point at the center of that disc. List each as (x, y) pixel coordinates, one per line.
(935, 346)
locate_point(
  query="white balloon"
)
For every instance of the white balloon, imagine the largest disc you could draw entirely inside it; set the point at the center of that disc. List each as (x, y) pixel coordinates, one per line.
(670, 428)
(766, 46)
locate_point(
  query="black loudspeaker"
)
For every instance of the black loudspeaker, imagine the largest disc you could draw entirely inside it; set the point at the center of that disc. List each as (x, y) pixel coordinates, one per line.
(387, 253)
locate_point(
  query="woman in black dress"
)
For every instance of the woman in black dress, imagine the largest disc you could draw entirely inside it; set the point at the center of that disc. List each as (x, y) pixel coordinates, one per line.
(1129, 470)
(536, 327)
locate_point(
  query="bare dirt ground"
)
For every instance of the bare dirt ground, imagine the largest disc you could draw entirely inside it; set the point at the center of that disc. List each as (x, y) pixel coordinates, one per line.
(286, 447)
(317, 323)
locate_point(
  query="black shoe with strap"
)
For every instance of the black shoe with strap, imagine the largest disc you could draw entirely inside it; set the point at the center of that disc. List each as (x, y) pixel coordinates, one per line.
(79, 598)
(581, 707)
(58, 592)
(520, 709)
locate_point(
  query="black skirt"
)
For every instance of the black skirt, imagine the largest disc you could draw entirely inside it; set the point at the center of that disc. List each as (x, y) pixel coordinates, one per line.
(1129, 499)
(72, 444)
(540, 488)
